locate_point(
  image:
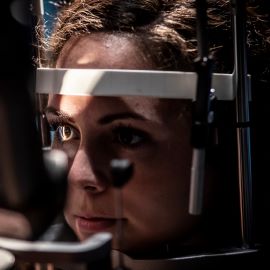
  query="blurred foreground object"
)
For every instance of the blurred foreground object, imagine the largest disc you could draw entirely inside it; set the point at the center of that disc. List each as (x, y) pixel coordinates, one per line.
(36, 191)
(7, 260)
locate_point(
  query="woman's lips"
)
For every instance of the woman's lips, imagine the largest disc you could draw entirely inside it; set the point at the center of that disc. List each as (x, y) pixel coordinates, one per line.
(96, 224)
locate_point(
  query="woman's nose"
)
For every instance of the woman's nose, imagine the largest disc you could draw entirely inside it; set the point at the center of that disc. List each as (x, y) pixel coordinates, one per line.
(84, 174)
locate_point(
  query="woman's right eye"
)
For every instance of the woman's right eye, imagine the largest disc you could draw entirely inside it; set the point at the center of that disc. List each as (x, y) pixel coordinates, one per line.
(63, 133)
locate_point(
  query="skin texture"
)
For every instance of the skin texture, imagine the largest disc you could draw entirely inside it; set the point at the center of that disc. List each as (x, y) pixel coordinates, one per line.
(152, 133)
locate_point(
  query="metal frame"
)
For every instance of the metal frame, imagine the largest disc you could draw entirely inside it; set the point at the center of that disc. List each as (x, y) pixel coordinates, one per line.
(110, 82)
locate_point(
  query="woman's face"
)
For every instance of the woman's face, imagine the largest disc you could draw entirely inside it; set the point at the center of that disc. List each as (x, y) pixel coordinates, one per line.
(152, 133)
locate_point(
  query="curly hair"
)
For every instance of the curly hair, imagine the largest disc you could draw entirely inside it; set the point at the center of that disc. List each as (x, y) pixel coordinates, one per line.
(164, 29)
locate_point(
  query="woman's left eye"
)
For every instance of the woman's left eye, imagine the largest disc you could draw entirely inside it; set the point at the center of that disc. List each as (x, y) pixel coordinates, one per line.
(128, 136)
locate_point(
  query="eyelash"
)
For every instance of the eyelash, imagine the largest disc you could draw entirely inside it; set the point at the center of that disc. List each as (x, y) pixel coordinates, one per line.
(55, 130)
(131, 133)
(123, 134)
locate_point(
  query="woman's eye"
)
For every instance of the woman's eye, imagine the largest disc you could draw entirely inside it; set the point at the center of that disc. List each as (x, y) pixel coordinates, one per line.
(62, 133)
(129, 137)
(65, 133)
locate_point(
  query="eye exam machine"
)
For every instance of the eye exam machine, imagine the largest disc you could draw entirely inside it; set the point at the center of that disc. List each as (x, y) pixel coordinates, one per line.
(30, 170)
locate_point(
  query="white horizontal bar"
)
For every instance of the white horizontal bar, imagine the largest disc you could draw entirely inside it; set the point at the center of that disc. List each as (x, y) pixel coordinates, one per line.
(101, 82)
(93, 248)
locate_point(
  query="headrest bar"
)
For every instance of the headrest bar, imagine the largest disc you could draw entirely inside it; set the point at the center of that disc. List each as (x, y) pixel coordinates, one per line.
(101, 82)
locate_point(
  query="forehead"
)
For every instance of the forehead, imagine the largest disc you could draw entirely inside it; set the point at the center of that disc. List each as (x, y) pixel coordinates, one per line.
(154, 109)
(100, 50)
(111, 51)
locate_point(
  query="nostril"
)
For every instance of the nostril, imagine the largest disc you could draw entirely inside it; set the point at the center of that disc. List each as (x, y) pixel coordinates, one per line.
(89, 180)
(93, 185)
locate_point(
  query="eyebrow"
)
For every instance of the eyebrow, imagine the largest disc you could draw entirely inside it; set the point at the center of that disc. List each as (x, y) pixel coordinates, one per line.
(58, 113)
(102, 121)
(120, 116)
